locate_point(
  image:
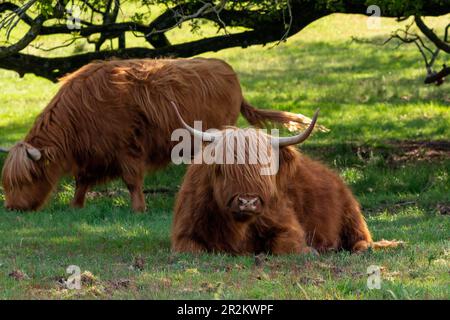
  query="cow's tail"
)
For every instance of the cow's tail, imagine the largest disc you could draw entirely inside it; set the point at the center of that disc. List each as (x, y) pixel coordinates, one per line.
(386, 244)
(260, 117)
(355, 234)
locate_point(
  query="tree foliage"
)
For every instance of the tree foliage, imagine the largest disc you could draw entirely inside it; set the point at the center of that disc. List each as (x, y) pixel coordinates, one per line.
(258, 22)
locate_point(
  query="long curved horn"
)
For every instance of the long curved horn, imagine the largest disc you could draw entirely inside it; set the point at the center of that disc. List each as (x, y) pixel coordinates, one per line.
(205, 136)
(288, 141)
(34, 153)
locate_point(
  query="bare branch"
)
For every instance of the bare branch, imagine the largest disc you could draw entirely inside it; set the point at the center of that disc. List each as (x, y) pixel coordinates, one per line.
(285, 35)
(11, 21)
(431, 35)
(180, 17)
(65, 44)
(32, 33)
(91, 7)
(405, 36)
(434, 56)
(427, 65)
(54, 68)
(446, 34)
(8, 6)
(438, 77)
(217, 10)
(268, 22)
(109, 17)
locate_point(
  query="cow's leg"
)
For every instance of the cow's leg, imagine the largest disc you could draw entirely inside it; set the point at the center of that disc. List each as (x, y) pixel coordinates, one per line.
(361, 246)
(290, 240)
(187, 245)
(81, 188)
(134, 181)
(356, 236)
(137, 197)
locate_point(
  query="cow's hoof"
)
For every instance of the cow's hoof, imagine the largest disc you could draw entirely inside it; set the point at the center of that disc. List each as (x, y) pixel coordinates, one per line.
(139, 210)
(77, 205)
(311, 251)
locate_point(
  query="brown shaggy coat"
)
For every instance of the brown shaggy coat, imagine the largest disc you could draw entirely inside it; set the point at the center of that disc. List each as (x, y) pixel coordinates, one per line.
(114, 119)
(304, 205)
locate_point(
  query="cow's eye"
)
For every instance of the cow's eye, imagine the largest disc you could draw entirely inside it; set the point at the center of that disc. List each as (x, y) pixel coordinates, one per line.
(230, 201)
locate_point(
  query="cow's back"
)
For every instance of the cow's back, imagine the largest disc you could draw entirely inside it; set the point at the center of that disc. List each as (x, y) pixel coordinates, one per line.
(322, 202)
(108, 109)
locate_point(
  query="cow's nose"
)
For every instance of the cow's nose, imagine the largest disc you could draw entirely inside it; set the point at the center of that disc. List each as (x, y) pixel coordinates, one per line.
(249, 203)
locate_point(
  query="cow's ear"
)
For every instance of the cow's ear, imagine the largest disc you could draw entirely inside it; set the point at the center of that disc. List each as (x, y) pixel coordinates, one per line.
(286, 155)
(50, 154)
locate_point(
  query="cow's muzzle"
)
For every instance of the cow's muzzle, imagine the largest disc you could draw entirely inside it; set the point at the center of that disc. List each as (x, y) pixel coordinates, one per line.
(245, 206)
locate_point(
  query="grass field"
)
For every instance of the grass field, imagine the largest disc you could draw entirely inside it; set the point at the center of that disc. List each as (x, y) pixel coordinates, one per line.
(389, 140)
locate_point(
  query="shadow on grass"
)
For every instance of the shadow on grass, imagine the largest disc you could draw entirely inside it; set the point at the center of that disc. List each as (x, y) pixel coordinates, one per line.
(329, 75)
(343, 74)
(124, 234)
(89, 231)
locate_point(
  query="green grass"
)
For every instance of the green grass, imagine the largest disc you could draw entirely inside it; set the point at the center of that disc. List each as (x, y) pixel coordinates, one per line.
(370, 98)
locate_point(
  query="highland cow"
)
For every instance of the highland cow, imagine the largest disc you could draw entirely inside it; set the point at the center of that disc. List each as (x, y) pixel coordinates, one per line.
(233, 208)
(113, 119)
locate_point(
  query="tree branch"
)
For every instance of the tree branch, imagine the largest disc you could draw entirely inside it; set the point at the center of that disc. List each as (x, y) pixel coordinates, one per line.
(91, 7)
(405, 36)
(54, 68)
(8, 6)
(32, 33)
(93, 29)
(10, 21)
(266, 24)
(439, 77)
(431, 35)
(174, 17)
(109, 17)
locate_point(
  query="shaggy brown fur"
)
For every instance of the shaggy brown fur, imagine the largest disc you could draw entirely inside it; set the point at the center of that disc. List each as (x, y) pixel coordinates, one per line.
(114, 119)
(305, 205)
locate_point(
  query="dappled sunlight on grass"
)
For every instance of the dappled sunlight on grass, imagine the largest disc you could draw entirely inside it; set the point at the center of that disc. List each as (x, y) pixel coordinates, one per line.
(370, 97)
(351, 175)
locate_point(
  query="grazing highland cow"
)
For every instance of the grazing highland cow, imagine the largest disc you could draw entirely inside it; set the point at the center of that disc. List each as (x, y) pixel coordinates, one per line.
(114, 119)
(233, 208)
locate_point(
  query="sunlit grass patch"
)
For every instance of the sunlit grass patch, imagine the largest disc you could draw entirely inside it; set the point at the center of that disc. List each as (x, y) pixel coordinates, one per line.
(371, 98)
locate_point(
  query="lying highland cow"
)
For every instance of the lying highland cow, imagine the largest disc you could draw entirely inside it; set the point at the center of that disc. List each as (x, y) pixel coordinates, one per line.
(233, 208)
(114, 119)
